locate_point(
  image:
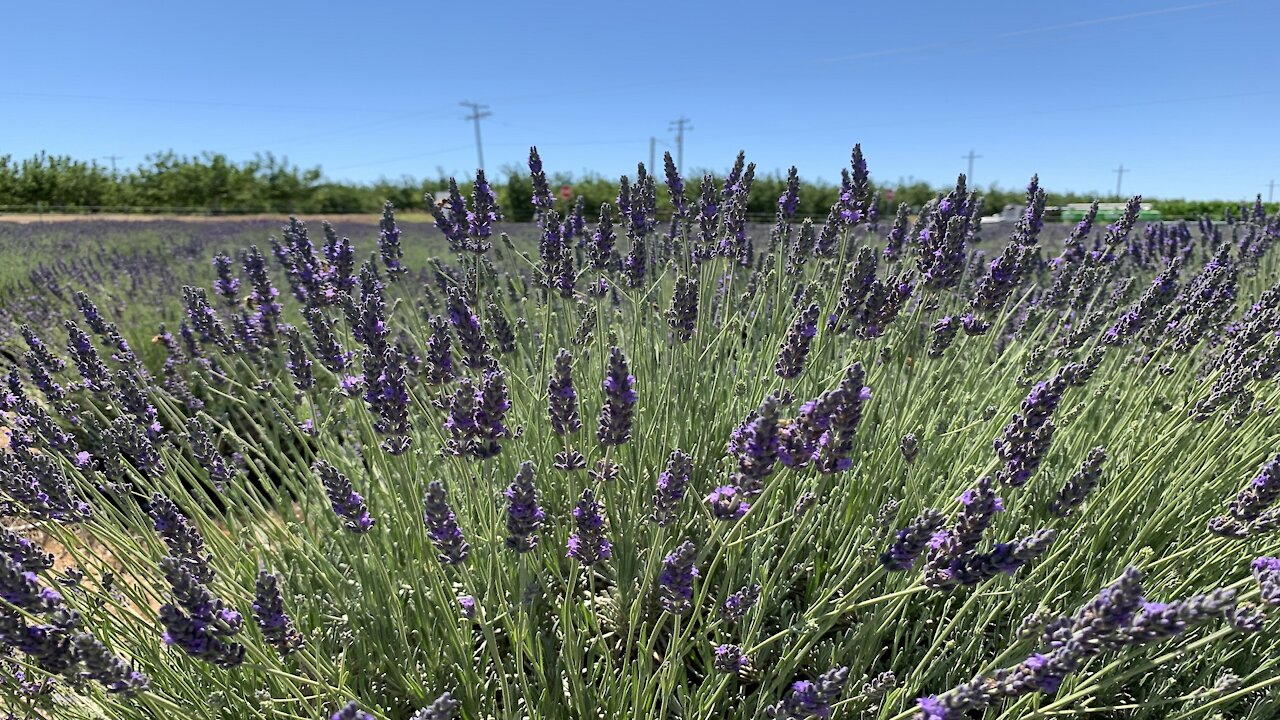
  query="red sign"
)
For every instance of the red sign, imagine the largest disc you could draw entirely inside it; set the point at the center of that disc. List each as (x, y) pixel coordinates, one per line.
(565, 192)
(888, 196)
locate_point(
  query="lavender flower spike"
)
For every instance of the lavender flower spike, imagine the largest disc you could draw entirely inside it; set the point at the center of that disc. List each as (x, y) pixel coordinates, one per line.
(347, 503)
(795, 347)
(562, 398)
(672, 483)
(1266, 570)
(444, 707)
(911, 540)
(675, 582)
(181, 537)
(117, 676)
(442, 525)
(389, 242)
(739, 603)
(1080, 484)
(726, 503)
(588, 544)
(351, 711)
(809, 700)
(268, 611)
(524, 516)
(620, 401)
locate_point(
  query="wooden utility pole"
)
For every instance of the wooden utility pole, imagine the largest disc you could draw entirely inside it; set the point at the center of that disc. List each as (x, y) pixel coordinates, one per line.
(478, 111)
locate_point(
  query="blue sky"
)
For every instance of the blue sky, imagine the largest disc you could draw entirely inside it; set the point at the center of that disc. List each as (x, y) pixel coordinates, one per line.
(1185, 93)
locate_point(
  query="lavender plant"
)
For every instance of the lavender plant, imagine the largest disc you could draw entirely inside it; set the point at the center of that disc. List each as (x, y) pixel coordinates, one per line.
(369, 494)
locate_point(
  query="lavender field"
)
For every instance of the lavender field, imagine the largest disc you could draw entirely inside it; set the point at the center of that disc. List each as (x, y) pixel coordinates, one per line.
(625, 464)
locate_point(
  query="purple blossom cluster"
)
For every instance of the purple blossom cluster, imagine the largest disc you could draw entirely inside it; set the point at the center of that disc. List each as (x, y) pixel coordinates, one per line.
(619, 401)
(1252, 511)
(1118, 617)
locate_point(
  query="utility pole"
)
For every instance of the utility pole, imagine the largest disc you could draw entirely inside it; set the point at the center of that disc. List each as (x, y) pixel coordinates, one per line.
(478, 111)
(113, 159)
(1120, 171)
(970, 157)
(1271, 188)
(653, 145)
(679, 126)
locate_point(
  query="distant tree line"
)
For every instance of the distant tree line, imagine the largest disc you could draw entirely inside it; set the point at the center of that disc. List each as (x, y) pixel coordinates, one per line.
(211, 183)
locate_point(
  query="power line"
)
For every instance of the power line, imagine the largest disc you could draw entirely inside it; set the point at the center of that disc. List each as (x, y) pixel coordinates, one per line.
(1271, 188)
(113, 159)
(478, 111)
(1120, 171)
(679, 125)
(970, 157)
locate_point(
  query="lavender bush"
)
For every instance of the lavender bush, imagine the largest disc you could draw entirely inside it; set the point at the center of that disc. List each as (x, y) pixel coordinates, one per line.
(667, 467)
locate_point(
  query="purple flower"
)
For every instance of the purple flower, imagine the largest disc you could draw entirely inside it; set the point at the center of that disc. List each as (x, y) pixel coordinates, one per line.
(440, 367)
(932, 709)
(263, 296)
(450, 217)
(471, 339)
(524, 515)
(347, 503)
(756, 443)
(619, 401)
(542, 199)
(795, 346)
(739, 603)
(562, 398)
(588, 544)
(181, 537)
(442, 525)
(1025, 440)
(811, 700)
(789, 202)
(268, 612)
(672, 483)
(1266, 570)
(461, 421)
(491, 405)
(198, 623)
(600, 249)
(467, 605)
(726, 503)
(1261, 493)
(298, 364)
(444, 707)
(675, 186)
(26, 554)
(731, 659)
(100, 664)
(389, 243)
(22, 589)
(682, 316)
(911, 540)
(483, 213)
(227, 285)
(1080, 484)
(675, 581)
(351, 711)
(328, 350)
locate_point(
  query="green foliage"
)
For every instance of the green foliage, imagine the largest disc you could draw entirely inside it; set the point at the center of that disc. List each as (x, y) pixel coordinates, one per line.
(211, 183)
(516, 196)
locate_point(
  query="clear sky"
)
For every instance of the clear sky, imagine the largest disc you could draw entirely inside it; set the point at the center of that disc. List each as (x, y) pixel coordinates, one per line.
(1184, 93)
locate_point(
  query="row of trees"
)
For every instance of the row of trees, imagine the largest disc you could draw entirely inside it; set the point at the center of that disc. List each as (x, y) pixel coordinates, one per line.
(212, 183)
